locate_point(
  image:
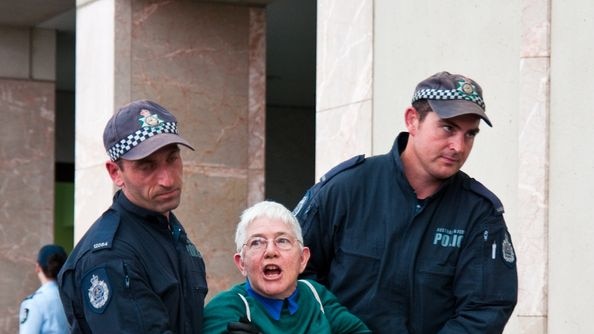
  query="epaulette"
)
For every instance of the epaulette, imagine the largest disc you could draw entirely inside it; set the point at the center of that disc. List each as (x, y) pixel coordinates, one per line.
(30, 296)
(483, 191)
(354, 161)
(311, 192)
(105, 231)
(99, 236)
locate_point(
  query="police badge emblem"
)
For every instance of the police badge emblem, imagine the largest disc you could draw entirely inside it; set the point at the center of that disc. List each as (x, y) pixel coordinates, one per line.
(146, 119)
(508, 250)
(466, 88)
(96, 290)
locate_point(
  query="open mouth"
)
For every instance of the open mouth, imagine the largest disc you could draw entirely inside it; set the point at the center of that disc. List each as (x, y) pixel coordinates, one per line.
(272, 270)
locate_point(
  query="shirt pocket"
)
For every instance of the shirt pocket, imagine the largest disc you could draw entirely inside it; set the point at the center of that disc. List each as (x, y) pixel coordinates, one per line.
(439, 275)
(355, 267)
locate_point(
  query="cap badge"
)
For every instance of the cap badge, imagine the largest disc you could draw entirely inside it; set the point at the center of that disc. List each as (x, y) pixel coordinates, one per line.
(466, 88)
(146, 119)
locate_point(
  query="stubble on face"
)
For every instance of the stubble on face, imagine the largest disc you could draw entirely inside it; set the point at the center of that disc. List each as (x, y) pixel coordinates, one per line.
(437, 149)
(155, 182)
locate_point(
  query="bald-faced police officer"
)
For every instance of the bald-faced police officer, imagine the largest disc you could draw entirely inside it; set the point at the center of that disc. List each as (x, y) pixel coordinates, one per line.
(407, 241)
(135, 270)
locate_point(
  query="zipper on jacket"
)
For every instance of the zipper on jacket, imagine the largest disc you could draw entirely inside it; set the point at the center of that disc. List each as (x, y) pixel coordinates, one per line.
(126, 276)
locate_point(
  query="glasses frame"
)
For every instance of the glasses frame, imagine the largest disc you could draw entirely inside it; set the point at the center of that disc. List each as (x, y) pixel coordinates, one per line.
(276, 241)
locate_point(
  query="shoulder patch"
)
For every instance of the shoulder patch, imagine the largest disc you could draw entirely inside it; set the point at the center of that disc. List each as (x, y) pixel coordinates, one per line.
(483, 191)
(96, 290)
(507, 250)
(305, 202)
(24, 315)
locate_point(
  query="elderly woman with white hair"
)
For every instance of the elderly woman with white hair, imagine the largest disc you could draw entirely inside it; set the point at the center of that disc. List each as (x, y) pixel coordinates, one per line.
(271, 255)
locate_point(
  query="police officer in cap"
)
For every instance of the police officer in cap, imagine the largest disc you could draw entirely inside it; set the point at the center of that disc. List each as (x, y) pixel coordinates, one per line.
(406, 240)
(136, 270)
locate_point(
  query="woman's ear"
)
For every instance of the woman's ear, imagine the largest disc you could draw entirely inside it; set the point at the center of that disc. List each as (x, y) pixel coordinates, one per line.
(239, 263)
(305, 254)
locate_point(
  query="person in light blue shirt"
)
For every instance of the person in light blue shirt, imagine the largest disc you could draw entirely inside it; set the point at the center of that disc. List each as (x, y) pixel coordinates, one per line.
(42, 312)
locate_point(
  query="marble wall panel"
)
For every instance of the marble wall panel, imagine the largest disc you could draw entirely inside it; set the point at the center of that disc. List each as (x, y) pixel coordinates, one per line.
(193, 58)
(571, 173)
(344, 52)
(344, 81)
(43, 54)
(256, 105)
(95, 90)
(342, 133)
(531, 241)
(15, 55)
(26, 189)
(211, 203)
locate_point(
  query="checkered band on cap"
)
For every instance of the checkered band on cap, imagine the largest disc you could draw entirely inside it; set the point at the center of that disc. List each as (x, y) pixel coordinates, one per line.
(452, 94)
(131, 141)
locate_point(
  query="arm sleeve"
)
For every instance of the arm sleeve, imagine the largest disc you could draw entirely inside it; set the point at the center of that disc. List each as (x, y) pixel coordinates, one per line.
(318, 236)
(339, 317)
(486, 283)
(116, 296)
(30, 318)
(224, 308)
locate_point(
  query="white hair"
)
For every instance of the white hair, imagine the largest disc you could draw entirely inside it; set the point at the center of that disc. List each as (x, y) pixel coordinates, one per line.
(265, 209)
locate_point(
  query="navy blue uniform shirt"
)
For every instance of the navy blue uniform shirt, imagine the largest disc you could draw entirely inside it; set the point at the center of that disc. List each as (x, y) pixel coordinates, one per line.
(135, 272)
(442, 265)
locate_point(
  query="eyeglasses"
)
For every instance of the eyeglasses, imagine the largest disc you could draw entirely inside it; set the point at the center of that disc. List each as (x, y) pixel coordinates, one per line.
(257, 244)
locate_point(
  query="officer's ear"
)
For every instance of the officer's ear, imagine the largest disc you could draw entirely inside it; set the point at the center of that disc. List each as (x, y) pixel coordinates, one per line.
(411, 119)
(115, 172)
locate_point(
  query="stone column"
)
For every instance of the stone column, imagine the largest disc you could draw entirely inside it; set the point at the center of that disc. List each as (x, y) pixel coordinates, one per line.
(533, 175)
(344, 81)
(26, 162)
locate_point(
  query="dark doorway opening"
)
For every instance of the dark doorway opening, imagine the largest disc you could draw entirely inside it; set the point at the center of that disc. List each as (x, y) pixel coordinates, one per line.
(290, 99)
(64, 148)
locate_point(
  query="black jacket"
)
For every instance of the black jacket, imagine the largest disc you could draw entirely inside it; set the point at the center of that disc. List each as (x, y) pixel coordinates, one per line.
(130, 273)
(442, 265)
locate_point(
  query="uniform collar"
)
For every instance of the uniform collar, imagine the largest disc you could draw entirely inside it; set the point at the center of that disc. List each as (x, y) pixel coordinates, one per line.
(274, 307)
(51, 284)
(123, 201)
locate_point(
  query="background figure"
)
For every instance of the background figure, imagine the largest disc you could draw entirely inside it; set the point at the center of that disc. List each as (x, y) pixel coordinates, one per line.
(407, 241)
(42, 312)
(270, 254)
(135, 270)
